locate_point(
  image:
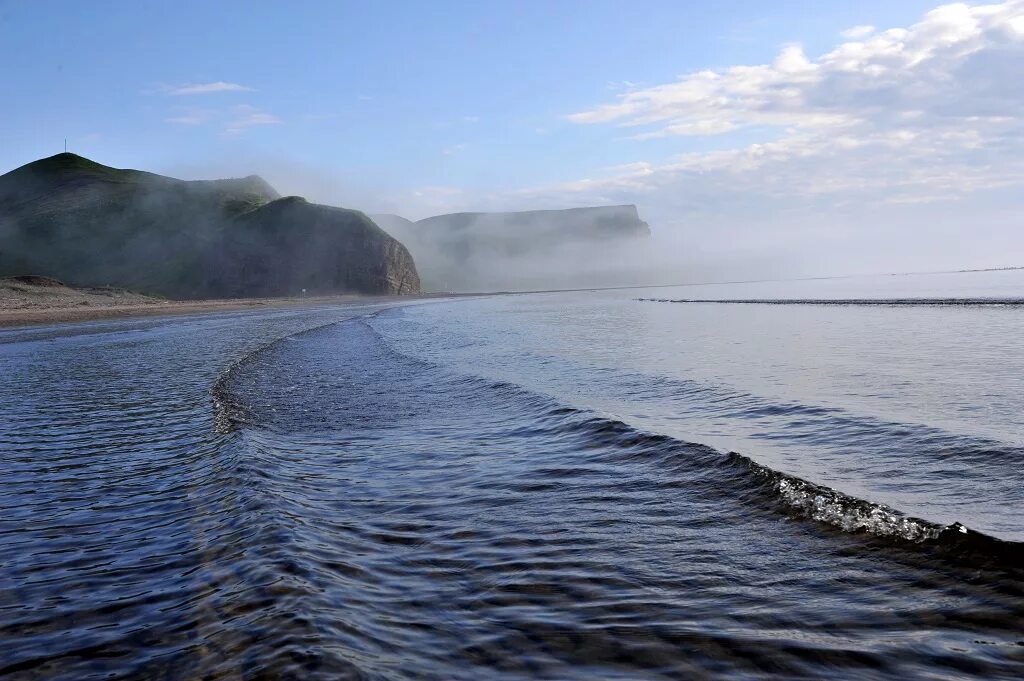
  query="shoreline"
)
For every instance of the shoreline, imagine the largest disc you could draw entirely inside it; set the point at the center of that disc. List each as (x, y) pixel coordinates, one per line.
(45, 316)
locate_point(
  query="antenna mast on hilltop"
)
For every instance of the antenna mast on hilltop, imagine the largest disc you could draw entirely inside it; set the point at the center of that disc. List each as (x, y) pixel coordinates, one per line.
(65, 145)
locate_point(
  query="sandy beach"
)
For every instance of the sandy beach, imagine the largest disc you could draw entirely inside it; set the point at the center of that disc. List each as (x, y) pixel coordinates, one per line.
(28, 301)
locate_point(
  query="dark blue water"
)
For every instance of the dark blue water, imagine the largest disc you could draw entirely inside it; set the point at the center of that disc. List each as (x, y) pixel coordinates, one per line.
(503, 488)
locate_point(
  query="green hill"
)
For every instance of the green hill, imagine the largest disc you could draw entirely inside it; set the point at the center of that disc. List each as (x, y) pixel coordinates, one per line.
(366, 260)
(92, 225)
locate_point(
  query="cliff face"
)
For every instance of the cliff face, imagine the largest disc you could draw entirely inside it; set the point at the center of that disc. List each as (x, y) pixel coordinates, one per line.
(530, 249)
(92, 225)
(537, 228)
(291, 245)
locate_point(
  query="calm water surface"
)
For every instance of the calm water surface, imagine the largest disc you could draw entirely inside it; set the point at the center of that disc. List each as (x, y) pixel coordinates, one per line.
(573, 485)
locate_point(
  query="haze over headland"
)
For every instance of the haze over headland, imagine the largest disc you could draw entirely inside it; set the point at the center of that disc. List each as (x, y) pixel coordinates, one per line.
(755, 140)
(530, 250)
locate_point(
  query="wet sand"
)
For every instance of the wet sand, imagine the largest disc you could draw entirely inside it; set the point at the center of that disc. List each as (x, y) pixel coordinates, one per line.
(27, 305)
(56, 315)
(37, 300)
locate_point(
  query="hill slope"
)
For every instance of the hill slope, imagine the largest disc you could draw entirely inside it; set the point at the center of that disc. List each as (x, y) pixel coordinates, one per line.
(249, 255)
(91, 225)
(44, 293)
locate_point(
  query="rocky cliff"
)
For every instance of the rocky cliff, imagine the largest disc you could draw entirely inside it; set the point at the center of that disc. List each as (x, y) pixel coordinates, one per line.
(529, 249)
(292, 245)
(92, 225)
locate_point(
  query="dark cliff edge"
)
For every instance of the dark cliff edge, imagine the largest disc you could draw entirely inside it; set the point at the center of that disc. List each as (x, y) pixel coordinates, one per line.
(92, 225)
(528, 249)
(292, 245)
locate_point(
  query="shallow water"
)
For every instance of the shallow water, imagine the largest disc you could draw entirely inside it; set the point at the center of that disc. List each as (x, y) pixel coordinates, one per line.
(530, 486)
(915, 406)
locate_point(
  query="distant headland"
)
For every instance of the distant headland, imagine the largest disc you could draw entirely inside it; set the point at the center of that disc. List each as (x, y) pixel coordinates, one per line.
(494, 251)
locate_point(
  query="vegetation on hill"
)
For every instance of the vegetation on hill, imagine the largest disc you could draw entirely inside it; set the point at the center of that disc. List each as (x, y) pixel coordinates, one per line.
(92, 225)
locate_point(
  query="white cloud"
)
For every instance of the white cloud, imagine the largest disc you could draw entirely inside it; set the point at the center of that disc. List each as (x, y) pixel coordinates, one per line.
(706, 126)
(245, 116)
(204, 88)
(622, 85)
(232, 120)
(190, 117)
(887, 121)
(859, 83)
(858, 32)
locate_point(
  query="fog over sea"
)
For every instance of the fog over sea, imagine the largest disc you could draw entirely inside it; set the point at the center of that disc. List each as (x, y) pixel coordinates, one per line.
(828, 483)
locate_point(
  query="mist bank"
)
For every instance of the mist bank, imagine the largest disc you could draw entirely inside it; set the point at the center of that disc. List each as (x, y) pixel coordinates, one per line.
(91, 225)
(540, 249)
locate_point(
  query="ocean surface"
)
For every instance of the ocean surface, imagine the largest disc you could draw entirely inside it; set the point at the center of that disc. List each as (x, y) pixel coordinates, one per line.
(623, 484)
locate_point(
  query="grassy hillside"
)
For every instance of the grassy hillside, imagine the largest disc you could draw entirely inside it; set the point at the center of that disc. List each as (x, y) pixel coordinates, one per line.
(293, 245)
(92, 225)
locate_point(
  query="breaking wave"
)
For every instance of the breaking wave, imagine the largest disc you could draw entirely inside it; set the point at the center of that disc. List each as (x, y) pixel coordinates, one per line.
(793, 495)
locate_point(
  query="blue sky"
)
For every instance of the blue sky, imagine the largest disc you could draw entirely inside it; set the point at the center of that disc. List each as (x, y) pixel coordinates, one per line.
(380, 89)
(410, 107)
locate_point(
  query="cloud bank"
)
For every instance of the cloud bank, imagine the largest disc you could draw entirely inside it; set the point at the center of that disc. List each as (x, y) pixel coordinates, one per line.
(888, 141)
